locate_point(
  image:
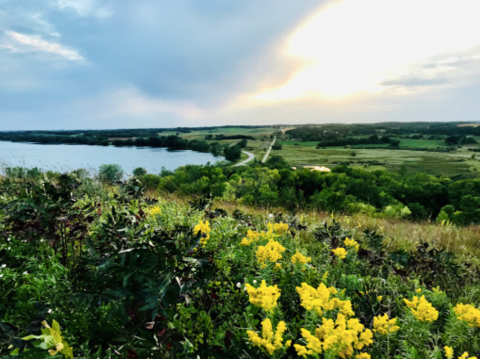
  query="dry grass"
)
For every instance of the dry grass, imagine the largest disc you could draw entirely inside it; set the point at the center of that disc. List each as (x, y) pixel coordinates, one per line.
(399, 234)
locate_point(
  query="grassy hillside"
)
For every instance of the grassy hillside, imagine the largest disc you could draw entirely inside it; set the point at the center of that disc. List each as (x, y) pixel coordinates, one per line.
(123, 274)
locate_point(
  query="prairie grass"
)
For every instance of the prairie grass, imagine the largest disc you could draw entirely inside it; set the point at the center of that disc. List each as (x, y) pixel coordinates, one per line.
(464, 242)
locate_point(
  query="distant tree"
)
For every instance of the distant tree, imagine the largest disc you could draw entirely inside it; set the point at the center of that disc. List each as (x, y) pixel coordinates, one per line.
(232, 153)
(278, 162)
(394, 143)
(243, 143)
(451, 140)
(139, 172)
(110, 173)
(277, 146)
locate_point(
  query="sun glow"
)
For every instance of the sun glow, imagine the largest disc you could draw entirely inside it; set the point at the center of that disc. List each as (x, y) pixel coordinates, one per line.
(353, 46)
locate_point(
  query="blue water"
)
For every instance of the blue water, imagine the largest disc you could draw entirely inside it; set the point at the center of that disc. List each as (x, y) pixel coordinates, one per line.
(71, 157)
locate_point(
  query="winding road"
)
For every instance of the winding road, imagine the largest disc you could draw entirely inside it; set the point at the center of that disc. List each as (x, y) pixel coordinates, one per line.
(244, 163)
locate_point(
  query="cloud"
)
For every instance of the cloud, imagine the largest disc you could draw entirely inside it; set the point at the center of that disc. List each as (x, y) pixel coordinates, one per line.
(158, 63)
(36, 44)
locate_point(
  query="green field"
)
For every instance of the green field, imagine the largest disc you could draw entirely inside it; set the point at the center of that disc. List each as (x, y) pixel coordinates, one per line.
(370, 156)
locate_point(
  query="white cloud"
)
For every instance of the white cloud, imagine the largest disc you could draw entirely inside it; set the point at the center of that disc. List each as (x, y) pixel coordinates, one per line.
(353, 46)
(29, 43)
(85, 8)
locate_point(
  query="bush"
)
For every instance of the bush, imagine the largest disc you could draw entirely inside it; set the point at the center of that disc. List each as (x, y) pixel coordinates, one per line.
(110, 173)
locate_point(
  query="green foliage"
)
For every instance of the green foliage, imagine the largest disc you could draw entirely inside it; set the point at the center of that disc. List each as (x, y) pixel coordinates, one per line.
(110, 173)
(129, 276)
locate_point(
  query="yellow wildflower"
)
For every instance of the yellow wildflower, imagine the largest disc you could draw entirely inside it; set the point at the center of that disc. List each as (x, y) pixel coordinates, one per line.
(265, 296)
(204, 229)
(385, 326)
(448, 352)
(351, 243)
(278, 266)
(154, 211)
(341, 253)
(418, 290)
(280, 228)
(300, 258)
(469, 314)
(341, 337)
(270, 340)
(252, 236)
(362, 356)
(465, 356)
(422, 309)
(316, 299)
(270, 252)
(379, 298)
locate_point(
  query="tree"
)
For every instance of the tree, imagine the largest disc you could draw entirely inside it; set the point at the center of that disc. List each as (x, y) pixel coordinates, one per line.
(139, 172)
(110, 173)
(232, 153)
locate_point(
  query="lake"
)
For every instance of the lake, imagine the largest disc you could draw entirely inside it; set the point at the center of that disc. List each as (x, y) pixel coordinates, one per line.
(71, 157)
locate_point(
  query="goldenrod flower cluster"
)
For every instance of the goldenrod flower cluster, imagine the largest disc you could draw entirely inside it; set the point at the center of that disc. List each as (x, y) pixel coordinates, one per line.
(319, 299)
(265, 296)
(204, 229)
(383, 325)
(270, 340)
(252, 236)
(300, 258)
(352, 243)
(341, 337)
(154, 211)
(363, 356)
(341, 253)
(422, 309)
(448, 352)
(469, 314)
(280, 228)
(272, 252)
(465, 356)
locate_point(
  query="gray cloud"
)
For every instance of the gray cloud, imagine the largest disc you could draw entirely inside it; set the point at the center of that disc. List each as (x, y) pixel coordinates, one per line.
(123, 63)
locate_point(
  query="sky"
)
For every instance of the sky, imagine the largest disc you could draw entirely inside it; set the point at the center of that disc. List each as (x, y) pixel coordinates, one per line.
(86, 64)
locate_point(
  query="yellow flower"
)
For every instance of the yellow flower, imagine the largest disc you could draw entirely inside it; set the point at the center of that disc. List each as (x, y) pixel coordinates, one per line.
(351, 242)
(418, 290)
(448, 352)
(341, 337)
(269, 340)
(465, 356)
(204, 229)
(385, 326)
(265, 296)
(362, 356)
(280, 228)
(422, 309)
(341, 253)
(252, 236)
(300, 258)
(469, 314)
(379, 298)
(270, 252)
(154, 211)
(319, 300)
(278, 266)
